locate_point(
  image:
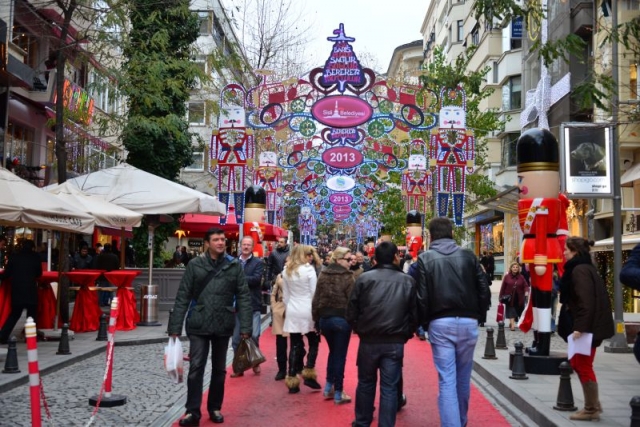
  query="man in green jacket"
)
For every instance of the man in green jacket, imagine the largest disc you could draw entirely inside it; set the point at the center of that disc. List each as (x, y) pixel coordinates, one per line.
(212, 289)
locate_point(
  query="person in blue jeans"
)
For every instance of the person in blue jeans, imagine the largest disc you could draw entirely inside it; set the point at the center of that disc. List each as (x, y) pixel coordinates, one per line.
(329, 308)
(382, 311)
(453, 297)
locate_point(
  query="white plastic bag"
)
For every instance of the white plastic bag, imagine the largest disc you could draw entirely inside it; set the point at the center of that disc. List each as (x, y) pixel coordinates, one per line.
(173, 360)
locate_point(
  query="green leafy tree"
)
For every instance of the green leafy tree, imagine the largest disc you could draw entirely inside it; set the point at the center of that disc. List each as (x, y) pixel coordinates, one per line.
(158, 78)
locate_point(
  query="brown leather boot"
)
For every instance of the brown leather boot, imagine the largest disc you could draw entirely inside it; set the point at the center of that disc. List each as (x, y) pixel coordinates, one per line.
(590, 412)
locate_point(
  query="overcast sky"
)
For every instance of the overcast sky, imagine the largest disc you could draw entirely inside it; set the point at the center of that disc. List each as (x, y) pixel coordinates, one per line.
(379, 26)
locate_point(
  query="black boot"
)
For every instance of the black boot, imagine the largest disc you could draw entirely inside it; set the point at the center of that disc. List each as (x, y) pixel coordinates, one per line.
(314, 343)
(543, 345)
(281, 357)
(292, 381)
(534, 344)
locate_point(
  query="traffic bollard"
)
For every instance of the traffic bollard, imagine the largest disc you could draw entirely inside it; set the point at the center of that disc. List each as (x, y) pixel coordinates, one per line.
(34, 371)
(517, 370)
(11, 362)
(102, 330)
(635, 411)
(501, 340)
(564, 401)
(63, 346)
(489, 349)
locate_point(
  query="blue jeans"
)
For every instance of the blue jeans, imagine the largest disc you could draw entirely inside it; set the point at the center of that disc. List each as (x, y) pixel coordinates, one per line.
(453, 340)
(388, 359)
(255, 333)
(338, 334)
(198, 353)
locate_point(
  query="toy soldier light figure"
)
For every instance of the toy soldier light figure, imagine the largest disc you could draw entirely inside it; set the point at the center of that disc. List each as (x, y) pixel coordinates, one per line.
(232, 150)
(269, 176)
(254, 209)
(416, 183)
(539, 215)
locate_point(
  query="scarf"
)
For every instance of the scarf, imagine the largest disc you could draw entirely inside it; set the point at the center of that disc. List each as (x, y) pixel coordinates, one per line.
(565, 281)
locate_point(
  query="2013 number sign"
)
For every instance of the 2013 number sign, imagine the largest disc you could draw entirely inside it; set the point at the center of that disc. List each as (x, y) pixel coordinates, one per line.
(342, 157)
(341, 198)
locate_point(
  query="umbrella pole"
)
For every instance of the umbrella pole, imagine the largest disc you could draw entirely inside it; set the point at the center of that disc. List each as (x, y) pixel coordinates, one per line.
(150, 247)
(49, 250)
(123, 248)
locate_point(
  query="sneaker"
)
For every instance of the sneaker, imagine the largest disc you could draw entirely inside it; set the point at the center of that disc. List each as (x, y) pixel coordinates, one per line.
(341, 397)
(328, 391)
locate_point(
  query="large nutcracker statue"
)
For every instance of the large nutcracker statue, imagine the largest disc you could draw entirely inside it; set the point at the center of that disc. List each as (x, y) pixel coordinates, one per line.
(539, 210)
(416, 183)
(414, 233)
(232, 151)
(452, 153)
(269, 176)
(254, 209)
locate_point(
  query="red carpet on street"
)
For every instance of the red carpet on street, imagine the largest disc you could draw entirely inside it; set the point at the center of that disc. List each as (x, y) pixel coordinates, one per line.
(258, 400)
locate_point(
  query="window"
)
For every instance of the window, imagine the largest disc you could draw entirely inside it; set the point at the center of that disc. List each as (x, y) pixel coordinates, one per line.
(196, 113)
(509, 150)
(28, 43)
(495, 72)
(475, 35)
(204, 17)
(512, 94)
(197, 164)
(460, 31)
(201, 63)
(633, 4)
(19, 142)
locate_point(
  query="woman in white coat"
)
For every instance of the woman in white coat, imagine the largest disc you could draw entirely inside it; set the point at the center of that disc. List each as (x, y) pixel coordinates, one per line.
(299, 286)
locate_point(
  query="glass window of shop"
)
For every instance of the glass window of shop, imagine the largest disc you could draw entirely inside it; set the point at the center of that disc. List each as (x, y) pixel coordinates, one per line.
(492, 237)
(19, 144)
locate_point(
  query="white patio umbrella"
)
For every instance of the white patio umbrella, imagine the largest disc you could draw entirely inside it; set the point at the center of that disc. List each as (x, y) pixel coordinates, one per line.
(24, 204)
(106, 214)
(146, 193)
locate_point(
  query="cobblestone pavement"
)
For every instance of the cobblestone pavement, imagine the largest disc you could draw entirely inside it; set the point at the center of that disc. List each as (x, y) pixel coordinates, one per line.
(138, 374)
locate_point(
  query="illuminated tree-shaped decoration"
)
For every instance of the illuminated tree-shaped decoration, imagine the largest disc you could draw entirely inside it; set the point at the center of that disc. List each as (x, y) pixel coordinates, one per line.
(269, 176)
(232, 151)
(452, 153)
(342, 67)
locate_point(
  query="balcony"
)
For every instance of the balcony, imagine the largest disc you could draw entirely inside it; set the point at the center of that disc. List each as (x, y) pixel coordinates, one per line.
(490, 45)
(13, 72)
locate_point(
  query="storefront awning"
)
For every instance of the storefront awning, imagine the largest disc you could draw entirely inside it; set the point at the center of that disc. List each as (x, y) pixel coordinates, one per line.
(629, 241)
(506, 201)
(632, 174)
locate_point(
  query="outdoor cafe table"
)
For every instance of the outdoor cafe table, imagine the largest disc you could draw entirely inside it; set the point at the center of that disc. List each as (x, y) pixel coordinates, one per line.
(5, 299)
(46, 300)
(128, 315)
(86, 312)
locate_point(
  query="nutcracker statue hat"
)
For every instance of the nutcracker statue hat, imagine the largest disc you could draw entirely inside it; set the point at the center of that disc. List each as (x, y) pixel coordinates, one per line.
(255, 197)
(537, 150)
(414, 218)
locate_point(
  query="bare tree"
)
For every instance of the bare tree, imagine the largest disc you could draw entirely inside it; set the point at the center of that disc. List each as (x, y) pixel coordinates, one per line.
(273, 35)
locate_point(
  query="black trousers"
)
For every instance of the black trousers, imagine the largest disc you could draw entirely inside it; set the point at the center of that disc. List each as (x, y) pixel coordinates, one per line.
(16, 312)
(198, 353)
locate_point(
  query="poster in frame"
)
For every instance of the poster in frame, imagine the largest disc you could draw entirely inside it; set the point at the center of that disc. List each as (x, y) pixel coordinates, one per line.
(586, 160)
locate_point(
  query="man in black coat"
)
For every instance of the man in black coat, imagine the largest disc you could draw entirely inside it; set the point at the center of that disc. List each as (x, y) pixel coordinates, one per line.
(253, 270)
(107, 261)
(23, 268)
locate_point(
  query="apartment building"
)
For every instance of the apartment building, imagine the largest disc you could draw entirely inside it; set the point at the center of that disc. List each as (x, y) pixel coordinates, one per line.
(217, 40)
(450, 25)
(29, 37)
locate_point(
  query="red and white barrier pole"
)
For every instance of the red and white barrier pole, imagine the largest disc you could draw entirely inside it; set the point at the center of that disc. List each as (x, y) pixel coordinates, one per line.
(34, 372)
(111, 332)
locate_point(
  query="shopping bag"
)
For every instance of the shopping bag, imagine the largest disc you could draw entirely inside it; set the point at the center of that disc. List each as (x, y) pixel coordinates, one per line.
(174, 360)
(255, 355)
(241, 361)
(500, 314)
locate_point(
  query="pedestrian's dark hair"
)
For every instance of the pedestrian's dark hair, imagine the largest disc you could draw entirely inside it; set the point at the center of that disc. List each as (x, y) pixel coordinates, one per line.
(386, 252)
(441, 228)
(28, 245)
(579, 245)
(210, 232)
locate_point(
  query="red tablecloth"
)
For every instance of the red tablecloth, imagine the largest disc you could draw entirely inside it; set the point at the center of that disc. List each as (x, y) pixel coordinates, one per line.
(46, 299)
(86, 312)
(5, 300)
(128, 315)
